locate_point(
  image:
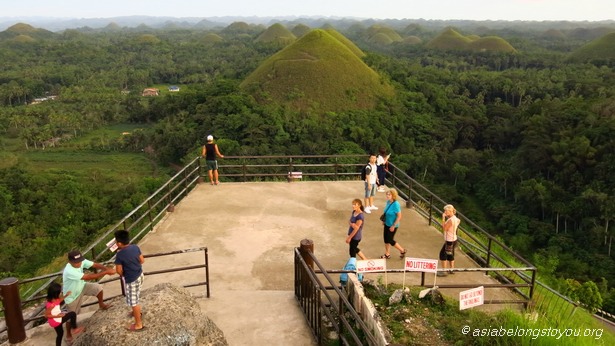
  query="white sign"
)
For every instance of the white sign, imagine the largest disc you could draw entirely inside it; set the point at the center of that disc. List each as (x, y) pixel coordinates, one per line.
(112, 245)
(371, 265)
(421, 265)
(471, 298)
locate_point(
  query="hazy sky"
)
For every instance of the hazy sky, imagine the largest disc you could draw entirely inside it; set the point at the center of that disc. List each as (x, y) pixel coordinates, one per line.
(577, 10)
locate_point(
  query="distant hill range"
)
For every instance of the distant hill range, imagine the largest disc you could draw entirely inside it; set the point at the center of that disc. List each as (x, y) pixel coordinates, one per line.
(600, 49)
(450, 39)
(320, 71)
(340, 23)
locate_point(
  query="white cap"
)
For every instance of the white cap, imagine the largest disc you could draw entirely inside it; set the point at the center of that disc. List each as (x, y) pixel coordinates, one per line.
(210, 138)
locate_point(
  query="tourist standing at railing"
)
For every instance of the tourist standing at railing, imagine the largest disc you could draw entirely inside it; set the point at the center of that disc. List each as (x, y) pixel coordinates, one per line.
(390, 220)
(450, 223)
(381, 162)
(371, 179)
(209, 152)
(129, 265)
(355, 229)
(74, 281)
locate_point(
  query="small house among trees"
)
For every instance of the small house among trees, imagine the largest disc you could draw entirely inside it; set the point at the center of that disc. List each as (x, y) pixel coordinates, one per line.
(150, 92)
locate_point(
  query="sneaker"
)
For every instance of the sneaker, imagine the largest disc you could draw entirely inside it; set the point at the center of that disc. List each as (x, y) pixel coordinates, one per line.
(367, 211)
(373, 207)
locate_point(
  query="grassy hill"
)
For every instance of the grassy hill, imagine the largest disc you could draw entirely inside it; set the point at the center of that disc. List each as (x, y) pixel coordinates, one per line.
(276, 33)
(317, 72)
(450, 39)
(21, 32)
(382, 35)
(602, 48)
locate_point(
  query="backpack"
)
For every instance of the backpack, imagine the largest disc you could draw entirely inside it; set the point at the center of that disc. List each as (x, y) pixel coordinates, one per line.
(365, 171)
(350, 265)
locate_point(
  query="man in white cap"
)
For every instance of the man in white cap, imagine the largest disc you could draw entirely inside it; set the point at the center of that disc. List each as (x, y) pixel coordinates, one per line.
(74, 279)
(210, 151)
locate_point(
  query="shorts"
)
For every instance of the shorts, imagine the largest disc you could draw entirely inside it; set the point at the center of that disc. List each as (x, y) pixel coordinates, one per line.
(212, 165)
(353, 250)
(443, 255)
(133, 291)
(370, 190)
(388, 236)
(90, 289)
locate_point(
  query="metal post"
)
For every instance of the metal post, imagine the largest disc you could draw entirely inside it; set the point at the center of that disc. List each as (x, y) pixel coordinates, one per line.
(9, 293)
(207, 271)
(409, 201)
(430, 209)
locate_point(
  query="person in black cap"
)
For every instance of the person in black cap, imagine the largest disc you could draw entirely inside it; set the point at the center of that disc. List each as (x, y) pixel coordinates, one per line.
(74, 281)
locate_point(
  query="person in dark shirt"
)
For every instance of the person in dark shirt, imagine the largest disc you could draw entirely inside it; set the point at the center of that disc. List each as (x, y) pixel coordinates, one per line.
(128, 264)
(210, 150)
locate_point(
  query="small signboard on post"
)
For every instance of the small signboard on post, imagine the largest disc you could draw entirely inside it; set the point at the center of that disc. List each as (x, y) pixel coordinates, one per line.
(371, 265)
(471, 298)
(421, 265)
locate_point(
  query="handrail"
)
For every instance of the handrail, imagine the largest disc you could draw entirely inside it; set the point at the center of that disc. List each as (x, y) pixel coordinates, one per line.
(310, 292)
(411, 191)
(144, 217)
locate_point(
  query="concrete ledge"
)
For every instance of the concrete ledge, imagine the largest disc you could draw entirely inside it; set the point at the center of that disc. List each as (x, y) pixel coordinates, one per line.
(366, 309)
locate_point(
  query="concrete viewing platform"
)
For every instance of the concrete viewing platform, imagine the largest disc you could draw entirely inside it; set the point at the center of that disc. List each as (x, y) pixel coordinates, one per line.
(251, 229)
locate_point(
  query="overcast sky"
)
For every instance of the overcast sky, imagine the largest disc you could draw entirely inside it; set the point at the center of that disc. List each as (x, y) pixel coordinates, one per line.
(575, 10)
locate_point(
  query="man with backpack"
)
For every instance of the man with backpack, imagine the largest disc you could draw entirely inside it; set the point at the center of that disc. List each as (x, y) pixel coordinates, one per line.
(369, 174)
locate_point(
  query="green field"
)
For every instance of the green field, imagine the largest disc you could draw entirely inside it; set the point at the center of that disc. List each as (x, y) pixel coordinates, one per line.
(78, 158)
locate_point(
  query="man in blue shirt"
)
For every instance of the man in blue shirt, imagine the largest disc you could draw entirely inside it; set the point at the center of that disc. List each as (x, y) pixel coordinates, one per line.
(128, 264)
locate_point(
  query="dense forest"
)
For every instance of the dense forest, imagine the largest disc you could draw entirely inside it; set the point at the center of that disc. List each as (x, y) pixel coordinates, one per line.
(520, 140)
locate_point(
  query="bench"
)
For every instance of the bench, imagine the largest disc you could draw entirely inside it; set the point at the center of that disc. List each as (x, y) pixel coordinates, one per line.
(294, 176)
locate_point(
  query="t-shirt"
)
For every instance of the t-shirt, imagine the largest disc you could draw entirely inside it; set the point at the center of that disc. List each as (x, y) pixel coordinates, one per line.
(451, 233)
(354, 219)
(128, 258)
(391, 210)
(55, 311)
(373, 174)
(72, 280)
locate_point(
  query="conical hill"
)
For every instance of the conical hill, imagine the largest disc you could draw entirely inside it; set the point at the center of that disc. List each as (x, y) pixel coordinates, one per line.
(317, 72)
(276, 33)
(600, 49)
(450, 39)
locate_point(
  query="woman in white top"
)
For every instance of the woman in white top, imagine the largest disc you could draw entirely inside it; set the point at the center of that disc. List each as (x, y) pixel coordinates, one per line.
(381, 163)
(450, 223)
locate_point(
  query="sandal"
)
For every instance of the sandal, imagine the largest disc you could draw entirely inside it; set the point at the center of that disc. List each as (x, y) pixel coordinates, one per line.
(402, 254)
(386, 256)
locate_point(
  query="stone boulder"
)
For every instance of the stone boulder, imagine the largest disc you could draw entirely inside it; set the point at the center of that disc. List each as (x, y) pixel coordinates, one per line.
(171, 317)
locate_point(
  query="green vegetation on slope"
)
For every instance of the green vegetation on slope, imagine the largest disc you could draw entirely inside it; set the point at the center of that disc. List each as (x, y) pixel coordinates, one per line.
(276, 33)
(450, 39)
(317, 72)
(602, 48)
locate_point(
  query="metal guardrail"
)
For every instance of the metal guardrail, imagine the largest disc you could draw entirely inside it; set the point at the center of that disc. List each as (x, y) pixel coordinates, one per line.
(483, 247)
(489, 251)
(138, 222)
(324, 305)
